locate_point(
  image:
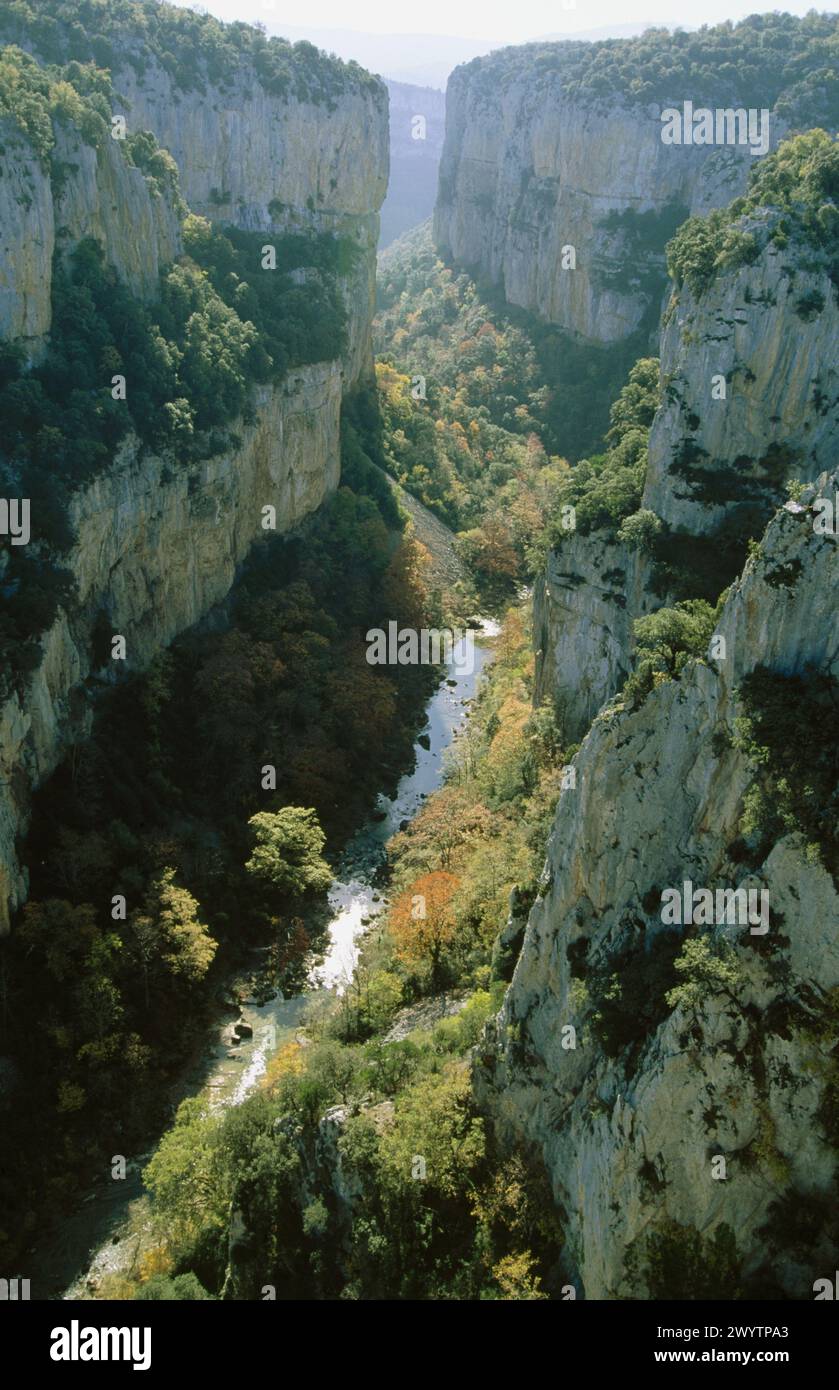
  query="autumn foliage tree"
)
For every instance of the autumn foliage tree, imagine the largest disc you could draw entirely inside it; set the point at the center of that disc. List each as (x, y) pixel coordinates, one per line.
(423, 924)
(449, 819)
(488, 550)
(167, 937)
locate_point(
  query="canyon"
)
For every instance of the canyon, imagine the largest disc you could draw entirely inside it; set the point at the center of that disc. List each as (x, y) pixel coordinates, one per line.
(639, 1093)
(157, 548)
(627, 1132)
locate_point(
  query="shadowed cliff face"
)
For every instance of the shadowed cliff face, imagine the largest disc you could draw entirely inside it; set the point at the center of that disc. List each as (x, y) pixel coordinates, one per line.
(417, 126)
(156, 550)
(158, 542)
(628, 1118)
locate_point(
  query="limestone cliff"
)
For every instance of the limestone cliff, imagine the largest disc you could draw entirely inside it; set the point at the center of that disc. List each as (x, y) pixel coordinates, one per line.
(90, 191)
(158, 541)
(266, 137)
(528, 170)
(417, 126)
(749, 400)
(601, 149)
(157, 548)
(265, 162)
(766, 330)
(629, 1127)
(584, 605)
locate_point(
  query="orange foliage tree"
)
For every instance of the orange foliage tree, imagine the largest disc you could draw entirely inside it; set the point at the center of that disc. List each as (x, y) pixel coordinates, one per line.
(423, 924)
(446, 821)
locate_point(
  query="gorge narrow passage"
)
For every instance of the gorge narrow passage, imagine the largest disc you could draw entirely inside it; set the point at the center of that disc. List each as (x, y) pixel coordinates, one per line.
(99, 1238)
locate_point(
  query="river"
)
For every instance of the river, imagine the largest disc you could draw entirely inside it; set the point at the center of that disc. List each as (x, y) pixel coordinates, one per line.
(98, 1240)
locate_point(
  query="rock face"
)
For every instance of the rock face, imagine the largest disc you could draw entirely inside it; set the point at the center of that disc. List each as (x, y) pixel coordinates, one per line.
(712, 460)
(239, 148)
(528, 170)
(629, 1134)
(268, 164)
(158, 546)
(584, 605)
(92, 193)
(767, 330)
(417, 127)
(158, 543)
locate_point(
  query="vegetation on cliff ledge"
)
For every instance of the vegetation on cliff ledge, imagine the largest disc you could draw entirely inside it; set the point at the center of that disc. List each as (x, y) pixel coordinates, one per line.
(195, 49)
(792, 201)
(606, 489)
(220, 325)
(166, 805)
(778, 61)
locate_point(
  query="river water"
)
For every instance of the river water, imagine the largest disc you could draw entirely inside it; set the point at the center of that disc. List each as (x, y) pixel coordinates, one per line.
(98, 1240)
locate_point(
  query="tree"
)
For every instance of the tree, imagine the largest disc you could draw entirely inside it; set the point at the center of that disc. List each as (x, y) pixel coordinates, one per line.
(287, 855)
(435, 1120)
(707, 968)
(422, 922)
(673, 635)
(489, 551)
(187, 1178)
(446, 821)
(184, 1287)
(665, 642)
(237, 682)
(517, 1278)
(168, 937)
(83, 862)
(62, 935)
(382, 995)
(640, 530)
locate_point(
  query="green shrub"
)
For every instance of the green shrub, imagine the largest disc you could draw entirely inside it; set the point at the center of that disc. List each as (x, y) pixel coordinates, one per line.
(808, 306)
(605, 490)
(640, 530)
(688, 566)
(799, 182)
(183, 1287)
(678, 1262)
(664, 643)
(628, 994)
(705, 967)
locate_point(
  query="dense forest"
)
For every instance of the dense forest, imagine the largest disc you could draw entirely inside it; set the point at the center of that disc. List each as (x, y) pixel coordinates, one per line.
(194, 48)
(168, 807)
(481, 1226)
(493, 363)
(516, 1089)
(471, 409)
(768, 60)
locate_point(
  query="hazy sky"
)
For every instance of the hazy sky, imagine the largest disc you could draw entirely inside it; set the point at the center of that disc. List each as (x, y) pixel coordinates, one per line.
(509, 21)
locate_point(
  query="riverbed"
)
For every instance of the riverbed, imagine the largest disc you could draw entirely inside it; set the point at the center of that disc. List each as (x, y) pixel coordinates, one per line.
(99, 1239)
